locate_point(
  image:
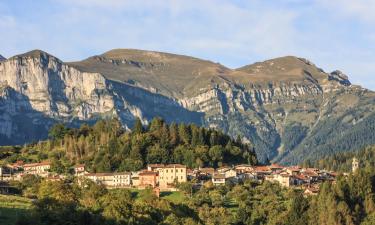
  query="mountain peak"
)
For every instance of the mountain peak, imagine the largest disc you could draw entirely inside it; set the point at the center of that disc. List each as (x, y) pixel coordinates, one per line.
(287, 68)
(2, 58)
(36, 53)
(146, 55)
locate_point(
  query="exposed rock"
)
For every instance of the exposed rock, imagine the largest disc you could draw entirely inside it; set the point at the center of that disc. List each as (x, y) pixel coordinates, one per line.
(264, 102)
(340, 77)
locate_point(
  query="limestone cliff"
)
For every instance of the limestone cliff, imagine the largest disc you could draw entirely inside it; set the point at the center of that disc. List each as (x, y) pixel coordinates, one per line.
(287, 107)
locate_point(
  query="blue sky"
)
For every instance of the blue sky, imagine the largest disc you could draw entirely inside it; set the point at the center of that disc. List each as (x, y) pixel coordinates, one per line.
(334, 34)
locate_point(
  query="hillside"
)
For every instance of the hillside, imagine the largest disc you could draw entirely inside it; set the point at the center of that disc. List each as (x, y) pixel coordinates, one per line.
(343, 161)
(287, 107)
(107, 147)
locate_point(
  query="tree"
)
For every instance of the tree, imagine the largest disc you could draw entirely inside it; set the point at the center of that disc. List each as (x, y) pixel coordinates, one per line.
(138, 127)
(58, 131)
(117, 206)
(58, 190)
(157, 154)
(184, 133)
(216, 154)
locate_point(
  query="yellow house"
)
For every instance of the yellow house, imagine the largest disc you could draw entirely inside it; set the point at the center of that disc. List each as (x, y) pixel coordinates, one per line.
(172, 173)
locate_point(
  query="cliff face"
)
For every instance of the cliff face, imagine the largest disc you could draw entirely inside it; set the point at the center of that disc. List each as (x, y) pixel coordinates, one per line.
(287, 107)
(37, 86)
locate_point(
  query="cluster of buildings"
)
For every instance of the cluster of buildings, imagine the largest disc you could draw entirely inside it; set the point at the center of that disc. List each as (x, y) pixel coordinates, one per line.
(309, 179)
(166, 176)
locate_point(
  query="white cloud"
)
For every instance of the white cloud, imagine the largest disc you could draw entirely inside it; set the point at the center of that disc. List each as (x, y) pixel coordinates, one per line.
(361, 9)
(233, 33)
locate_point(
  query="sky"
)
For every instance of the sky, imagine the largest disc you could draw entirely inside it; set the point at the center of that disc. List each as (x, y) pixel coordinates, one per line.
(334, 34)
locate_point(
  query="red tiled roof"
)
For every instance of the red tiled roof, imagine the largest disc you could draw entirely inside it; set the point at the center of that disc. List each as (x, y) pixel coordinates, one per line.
(36, 164)
(148, 173)
(261, 168)
(275, 166)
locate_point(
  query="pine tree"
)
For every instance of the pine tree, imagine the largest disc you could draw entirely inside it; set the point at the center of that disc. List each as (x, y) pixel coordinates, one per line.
(138, 127)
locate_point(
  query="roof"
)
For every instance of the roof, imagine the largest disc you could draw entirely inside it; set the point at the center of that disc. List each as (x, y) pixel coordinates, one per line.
(166, 166)
(261, 168)
(300, 177)
(175, 166)
(37, 164)
(107, 174)
(243, 165)
(310, 173)
(98, 174)
(219, 176)
(294, 168)
(156, 165)
(148, 173)
(207, 170)
(79, 165)
(275, 166)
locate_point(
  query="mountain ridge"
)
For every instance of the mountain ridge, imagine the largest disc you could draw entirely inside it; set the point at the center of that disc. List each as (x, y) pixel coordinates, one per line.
(277, 104)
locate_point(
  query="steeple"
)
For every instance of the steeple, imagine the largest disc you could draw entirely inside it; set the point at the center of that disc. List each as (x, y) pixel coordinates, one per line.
(355, 164)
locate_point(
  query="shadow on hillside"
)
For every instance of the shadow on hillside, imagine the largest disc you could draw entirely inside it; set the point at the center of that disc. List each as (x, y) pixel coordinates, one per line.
(9, 216)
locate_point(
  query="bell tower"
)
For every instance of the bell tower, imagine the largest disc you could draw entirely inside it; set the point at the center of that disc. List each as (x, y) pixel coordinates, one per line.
(355, 164)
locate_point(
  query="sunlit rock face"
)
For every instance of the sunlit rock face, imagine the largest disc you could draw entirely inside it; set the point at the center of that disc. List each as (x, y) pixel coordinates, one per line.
(286, 107)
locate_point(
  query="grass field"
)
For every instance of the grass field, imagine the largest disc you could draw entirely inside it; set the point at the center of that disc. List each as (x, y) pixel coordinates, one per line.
(11, 207)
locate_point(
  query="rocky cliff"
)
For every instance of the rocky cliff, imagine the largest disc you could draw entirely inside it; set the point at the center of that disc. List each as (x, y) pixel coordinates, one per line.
(287, 107)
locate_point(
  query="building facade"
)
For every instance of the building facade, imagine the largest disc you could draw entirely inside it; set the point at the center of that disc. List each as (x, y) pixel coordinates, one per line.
(41, 169)
(172, 173)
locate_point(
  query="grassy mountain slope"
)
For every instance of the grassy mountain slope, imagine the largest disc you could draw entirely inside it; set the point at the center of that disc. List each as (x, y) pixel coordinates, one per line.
(287, 107)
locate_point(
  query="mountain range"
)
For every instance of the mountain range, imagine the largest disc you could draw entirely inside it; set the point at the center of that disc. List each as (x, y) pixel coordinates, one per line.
(287, 107)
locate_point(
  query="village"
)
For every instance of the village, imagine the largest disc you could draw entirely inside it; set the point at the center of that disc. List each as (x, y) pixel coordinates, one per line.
(165, 177)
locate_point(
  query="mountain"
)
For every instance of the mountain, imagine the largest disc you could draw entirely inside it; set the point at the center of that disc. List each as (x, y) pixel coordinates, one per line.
(2, 58)
(287, 107)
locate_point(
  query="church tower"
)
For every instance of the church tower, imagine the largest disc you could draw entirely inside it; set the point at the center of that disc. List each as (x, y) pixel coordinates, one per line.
(355, 164)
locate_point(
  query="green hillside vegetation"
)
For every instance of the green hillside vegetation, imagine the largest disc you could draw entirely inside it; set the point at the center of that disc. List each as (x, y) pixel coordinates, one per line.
(12, 208)
(106, 147)
(343, 161)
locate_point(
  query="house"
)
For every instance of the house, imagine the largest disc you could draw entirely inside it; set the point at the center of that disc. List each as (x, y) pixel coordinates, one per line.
(230, 173)
(300, 179)
(205, 173)
(283, 179)
(112, 180)
(17, 165)
(169, 174)
(191, 174)
(4, 188)
(79, 169)
(311, 191)
(276, 168)
(41, 169)
(218, 179)
(293, 170)
(5, 173)
(147, 179)
(243, 168)
(155, 167)
(122, 179)
(261, 171)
